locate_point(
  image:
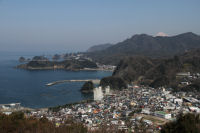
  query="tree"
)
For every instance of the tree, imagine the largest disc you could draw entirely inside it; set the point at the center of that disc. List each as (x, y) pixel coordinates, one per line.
(188, 123)
(17, 123)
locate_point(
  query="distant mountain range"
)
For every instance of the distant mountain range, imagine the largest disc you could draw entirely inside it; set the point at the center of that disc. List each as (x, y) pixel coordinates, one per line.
(145, 45)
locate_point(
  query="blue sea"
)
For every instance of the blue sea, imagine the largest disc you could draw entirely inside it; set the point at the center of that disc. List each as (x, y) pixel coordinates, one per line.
(28, 86)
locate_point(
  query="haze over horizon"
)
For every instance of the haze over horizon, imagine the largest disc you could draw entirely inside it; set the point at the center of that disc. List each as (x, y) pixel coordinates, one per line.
(68, 25)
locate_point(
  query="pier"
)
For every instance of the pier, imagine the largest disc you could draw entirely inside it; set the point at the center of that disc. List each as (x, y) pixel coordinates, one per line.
(95, 81)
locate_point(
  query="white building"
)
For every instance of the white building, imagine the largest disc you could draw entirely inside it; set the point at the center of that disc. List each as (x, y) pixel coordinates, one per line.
(162, 114)
(146, 111)
(10, 106)
(98, 93)
(178, 100)
(107, 90)
(194, 109)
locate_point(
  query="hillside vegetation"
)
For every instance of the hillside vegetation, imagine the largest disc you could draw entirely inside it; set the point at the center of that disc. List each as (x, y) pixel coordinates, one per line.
(157, 72)
(189, 123)
(66, 64)
(18, 123)
(87, 87)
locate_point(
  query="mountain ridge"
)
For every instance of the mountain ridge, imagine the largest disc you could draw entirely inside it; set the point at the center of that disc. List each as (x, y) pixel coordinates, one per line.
(147, 45)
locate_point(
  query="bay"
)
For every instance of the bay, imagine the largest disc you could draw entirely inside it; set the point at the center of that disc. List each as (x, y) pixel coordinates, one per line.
(28, 86)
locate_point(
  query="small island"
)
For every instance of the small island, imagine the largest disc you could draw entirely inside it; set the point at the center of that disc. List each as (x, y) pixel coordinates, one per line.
(87, 87)
(23, 59)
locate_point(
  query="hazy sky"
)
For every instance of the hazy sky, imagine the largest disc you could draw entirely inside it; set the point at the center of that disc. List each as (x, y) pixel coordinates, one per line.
(74, 25)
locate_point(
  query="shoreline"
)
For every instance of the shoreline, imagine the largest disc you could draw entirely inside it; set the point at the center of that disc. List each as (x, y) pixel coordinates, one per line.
(26, 108)
(23, 108)
(52, 68)
(69, 104)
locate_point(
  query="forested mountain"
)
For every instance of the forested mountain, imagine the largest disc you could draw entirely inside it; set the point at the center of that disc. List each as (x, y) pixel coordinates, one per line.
(157, 72)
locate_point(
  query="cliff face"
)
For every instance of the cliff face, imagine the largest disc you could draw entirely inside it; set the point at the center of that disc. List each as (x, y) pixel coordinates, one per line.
(67, 64)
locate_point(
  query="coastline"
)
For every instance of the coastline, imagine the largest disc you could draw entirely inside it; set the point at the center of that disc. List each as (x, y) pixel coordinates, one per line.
(53, 108)
(25, 75)
(97, 69)
(53, 68)
(58, 107)
(5, 109)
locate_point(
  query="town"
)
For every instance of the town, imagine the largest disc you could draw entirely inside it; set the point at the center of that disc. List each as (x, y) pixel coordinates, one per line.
(136, 107)
(127, 109)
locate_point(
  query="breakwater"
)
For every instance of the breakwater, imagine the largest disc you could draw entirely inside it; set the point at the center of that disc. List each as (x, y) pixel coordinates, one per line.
(95, 81)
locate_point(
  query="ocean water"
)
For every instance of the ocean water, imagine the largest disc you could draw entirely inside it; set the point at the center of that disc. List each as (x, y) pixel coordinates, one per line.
(28, 86)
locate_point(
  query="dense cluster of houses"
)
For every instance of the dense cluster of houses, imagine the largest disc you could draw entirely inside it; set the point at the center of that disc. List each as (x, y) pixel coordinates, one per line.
(186, 78)
(127, 109)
